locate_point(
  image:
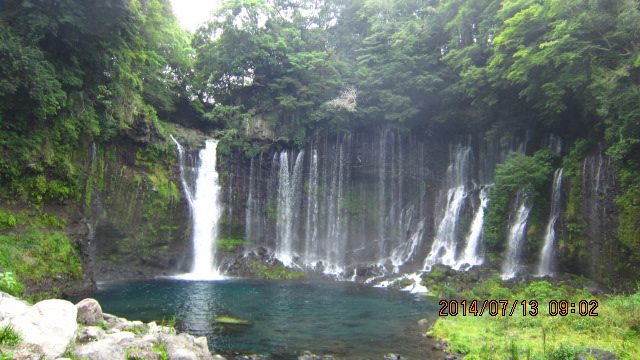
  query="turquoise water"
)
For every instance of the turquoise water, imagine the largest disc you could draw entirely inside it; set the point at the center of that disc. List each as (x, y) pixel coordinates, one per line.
(346, 320)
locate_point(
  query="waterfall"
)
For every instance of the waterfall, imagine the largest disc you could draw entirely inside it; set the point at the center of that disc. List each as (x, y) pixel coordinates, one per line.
(470, 256)
(206, 210)
(405, 252)
(546, 255)
(382, 175)
(517, 238)
(443, 249)
(353, 201)
(185, 186)
(289, 189)
(311, 229)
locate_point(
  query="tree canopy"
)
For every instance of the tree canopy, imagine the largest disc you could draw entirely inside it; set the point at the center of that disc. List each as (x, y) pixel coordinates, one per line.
(75, 70)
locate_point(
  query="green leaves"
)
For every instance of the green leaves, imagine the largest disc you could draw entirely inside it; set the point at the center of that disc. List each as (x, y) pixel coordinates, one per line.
(529, 175)
(28, 83)
(9, 284)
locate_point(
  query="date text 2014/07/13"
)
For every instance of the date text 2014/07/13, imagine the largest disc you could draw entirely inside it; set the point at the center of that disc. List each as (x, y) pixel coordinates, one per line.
(528, 308)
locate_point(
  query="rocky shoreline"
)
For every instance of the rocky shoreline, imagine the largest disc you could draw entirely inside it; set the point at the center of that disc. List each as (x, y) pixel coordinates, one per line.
(59, 330)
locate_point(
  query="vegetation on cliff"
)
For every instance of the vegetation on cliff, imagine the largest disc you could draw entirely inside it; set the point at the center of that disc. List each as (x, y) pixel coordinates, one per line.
(75, 73)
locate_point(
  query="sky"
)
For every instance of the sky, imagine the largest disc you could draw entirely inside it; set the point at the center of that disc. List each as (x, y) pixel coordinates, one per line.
(193, 12)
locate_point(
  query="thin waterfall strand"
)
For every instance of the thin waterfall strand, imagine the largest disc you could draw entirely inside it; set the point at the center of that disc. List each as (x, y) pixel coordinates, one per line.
(185, 186)
(546, 255)
(517, 238)
(470, 256)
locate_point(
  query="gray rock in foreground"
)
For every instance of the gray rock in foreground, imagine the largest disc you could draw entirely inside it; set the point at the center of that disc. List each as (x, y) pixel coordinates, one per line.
(50, 331)
(89, 312)
(50, 324)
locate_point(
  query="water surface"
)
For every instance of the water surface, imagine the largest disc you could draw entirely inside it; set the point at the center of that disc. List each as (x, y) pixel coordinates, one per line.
(346, 320)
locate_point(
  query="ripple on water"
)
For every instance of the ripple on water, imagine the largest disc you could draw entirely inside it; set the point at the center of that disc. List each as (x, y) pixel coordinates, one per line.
(346, 320)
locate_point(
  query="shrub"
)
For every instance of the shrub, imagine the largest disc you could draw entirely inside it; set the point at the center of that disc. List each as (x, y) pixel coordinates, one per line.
(7, 219)
(10, 284)
(528, 174)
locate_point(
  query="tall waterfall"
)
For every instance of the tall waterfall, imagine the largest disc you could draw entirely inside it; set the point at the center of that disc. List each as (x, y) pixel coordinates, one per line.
(370, 201)
(546, 255)
(471, 255)
(516, 239)
(443, 250)
(340, 202)
(290, 182)
(206, 210)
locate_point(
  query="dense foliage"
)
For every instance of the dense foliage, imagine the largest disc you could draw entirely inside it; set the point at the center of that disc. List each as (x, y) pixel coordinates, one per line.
(527, 175)
(73, 72)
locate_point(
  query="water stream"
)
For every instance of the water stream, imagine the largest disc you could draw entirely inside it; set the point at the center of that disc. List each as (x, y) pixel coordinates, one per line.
(546, 255)
(471, 255)
(516, 239)
(206, 209)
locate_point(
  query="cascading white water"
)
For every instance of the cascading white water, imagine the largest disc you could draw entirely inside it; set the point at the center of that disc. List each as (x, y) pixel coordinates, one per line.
(546, 255)
(516, 240)
(289, 189)
(382, 175)
(470, 256)
(443, 249)
(357, 201)
(185, 186)
(311, 229)
(206, 210)
(405, 252)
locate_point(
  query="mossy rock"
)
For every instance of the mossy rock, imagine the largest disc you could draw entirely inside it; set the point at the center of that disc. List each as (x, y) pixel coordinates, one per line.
(228, 320)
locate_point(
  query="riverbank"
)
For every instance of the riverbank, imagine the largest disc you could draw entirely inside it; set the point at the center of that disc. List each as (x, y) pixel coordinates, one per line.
(536, 319)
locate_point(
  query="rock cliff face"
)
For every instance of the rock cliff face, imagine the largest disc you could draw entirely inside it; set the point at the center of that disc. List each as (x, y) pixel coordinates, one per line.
(136, 213)
(397, 202)
(371, 202)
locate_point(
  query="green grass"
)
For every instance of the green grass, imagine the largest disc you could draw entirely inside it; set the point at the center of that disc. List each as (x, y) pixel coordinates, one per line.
(545, 337)
(10, 336)
(34, 251)
(160, 349)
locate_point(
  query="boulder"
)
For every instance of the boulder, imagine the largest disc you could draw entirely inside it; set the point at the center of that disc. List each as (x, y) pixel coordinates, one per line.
(144, 343)
(89, 312)
(183, 347)
(105, 349)
(50, 324)
(11, 307)
(182, 354)
(120, 336)
(596, 354)
(90, 333)
(26, 351)
(202, 343)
